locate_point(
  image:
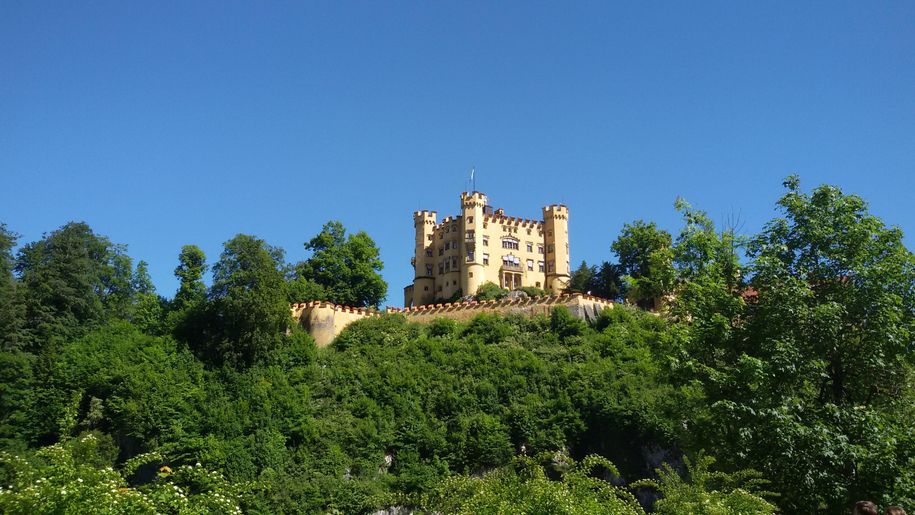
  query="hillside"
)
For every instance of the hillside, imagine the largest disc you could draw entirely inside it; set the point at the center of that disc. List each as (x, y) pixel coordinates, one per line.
(777, 376)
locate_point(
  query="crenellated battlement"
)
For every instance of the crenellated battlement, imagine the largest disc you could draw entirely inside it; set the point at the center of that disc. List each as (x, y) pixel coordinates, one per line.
(556, 212)
(473, 199)
(424, 216)
(325, 320)
(511, 220)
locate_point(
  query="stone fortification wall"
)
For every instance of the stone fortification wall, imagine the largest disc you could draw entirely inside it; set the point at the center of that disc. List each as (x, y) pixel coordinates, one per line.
(581, 306)
(324, 320)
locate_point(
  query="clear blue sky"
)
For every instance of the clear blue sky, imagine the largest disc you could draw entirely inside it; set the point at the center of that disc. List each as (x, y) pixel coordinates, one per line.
(166, 123)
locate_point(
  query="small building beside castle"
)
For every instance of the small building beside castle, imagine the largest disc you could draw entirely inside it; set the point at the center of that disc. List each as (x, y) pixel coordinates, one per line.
(460, 253)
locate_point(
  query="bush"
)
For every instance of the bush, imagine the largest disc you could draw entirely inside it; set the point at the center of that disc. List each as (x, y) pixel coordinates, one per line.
(490, 291)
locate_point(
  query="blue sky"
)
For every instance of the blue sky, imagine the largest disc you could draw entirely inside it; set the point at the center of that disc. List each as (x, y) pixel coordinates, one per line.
(167, 123)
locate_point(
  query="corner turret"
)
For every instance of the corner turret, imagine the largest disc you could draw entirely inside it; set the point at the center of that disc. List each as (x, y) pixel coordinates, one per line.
(556, 238)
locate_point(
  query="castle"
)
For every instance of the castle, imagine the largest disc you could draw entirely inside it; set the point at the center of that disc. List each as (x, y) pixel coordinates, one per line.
(454, 257)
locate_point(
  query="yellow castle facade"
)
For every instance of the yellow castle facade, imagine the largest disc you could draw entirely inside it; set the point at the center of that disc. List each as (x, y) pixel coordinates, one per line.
(481, 245)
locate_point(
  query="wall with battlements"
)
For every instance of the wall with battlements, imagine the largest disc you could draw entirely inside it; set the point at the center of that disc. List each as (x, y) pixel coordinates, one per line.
(324, 320)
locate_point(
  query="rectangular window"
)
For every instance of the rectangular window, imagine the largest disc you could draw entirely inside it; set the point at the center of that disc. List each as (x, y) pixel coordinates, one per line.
(485, 241)
(530, 265)
(470, 219)
(429, 270)
(552, 248)
(469, 255)
(469, 235)
(539, 249)
(540, 265)
(441, 269)
(447, 245)
(429, 252)
(485, 259)
(552, 266)
(447, 265)
(441, 251)
(530, 247)
(430, 237)
(454, 263)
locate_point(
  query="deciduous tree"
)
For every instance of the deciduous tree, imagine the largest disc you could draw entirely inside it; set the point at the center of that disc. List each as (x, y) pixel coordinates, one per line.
(345, 266)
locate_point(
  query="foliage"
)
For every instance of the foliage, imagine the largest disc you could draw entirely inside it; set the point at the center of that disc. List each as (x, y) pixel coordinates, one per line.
(247, 307)
(789, 352)
(11, 309)
(524, 487)
(71, 279)
(582, 278)
(533, 291)
(491, 291)
(646, 261)
(64, 478)
(346, 267)
(707, 492)
(301, 289)
(807, 376)
(191, 267)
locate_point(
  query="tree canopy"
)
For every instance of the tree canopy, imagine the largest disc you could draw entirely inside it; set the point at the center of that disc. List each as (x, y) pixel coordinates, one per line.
(344, 269)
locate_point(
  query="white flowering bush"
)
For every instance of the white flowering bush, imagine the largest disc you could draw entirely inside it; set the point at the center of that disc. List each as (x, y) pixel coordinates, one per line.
(56, 481)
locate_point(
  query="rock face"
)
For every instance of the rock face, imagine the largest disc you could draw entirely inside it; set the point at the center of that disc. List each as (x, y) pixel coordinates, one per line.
(324, 320)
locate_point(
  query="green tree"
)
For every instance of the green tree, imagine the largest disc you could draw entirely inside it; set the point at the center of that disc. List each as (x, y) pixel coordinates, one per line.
(149, 309)
(645, 258)
(71, 279)
(601, 281)
(11, 309)
(807, 375)
(191, 267)
(346, 267)
(582, 279)
(142, 282)
(248, 308)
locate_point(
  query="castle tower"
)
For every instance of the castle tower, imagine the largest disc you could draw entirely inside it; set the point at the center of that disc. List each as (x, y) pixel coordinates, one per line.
(474, 274)
(423, 289)
(556, 238)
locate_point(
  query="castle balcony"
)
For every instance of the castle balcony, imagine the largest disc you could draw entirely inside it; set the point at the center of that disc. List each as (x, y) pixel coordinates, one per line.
(512, 267)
